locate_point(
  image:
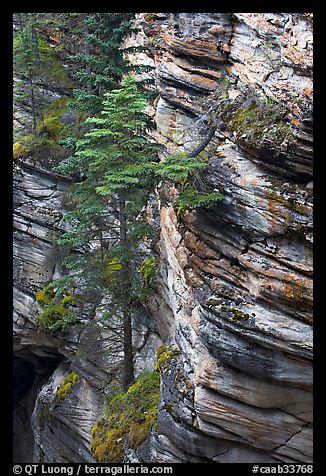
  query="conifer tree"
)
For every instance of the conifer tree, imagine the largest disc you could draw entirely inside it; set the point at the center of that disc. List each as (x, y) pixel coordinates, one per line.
(182, 171)
(27, 59)
(120, 168)
(103, 58)
(117, 159)
(36, 63)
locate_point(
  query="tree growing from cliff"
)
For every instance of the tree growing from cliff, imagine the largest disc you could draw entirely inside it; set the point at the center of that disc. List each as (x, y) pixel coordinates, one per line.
(100, 63)
(37, 68)
(103, 58)
(28, 60)
(120, 168)
(182, 171)
(117, 160)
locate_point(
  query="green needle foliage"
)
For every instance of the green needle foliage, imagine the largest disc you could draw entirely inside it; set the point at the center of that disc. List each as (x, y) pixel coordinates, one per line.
(36, 62)
(118, 147)
(119, 166)
(117, 162)
(182, 171)
(116, 159)
(102, 58)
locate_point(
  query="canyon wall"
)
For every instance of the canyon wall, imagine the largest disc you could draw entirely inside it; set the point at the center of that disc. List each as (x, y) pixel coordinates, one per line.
(234, 294)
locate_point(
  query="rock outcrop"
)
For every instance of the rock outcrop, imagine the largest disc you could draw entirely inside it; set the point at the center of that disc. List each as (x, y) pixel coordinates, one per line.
(90, 348)
(234, 293)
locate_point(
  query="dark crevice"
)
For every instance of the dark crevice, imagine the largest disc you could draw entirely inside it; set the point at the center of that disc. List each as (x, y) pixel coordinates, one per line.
(30, 372)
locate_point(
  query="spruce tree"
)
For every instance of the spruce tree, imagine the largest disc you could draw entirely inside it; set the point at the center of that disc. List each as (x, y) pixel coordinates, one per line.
(27, 60)
(102, 58)
(117, 160)
(37, 65)
(183, 171)
(119, 165)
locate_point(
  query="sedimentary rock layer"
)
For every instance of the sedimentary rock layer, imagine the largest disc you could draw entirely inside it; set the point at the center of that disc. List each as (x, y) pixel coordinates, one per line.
(234, 293)
(237, 279)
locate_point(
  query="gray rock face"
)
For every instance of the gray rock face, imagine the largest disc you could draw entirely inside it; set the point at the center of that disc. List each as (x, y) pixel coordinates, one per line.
(236, 280)
(70, 420)
(90, 348)
(234, 295)
(38, 214)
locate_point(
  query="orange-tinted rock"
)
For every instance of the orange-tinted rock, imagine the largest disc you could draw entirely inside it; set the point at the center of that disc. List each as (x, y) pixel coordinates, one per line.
(216, 29)
(194, 48)
(172, 72)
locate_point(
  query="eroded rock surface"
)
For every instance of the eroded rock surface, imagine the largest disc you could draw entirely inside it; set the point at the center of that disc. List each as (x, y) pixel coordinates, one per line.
(90, 348)
(234, 295)
(236, 280)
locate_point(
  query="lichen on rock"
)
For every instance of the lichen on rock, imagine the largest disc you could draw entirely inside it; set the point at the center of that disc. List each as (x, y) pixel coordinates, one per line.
(233, 281)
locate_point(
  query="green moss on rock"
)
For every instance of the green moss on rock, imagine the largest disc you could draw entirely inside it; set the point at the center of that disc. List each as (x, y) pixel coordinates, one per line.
(239, 315)
(128, 419)
(50, 130)
(236, 314)
(165, 358)
(257, 122)
(45, 296)
(66, 386)
(261, 121)
(55, 314)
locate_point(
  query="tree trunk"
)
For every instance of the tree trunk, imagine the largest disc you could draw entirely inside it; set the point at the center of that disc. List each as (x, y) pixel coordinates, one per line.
(205, 142)
(33, 102)
(35, 48)
(128, 364)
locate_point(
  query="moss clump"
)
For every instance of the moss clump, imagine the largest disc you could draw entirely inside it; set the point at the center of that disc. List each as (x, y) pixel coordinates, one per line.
(66, 300)
(245, 118)
(51, 123)
(55, 314)
(239, 315)
(66, 386)
(17, 149)
(180, 211)
(148, 269)
(24, 146)
(257, 121)
(50, 130)
(261, 121)
(129, 417)
(45, 296)
(165, 358)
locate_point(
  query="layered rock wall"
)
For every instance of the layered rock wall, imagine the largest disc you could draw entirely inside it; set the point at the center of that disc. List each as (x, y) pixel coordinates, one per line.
(237, 278)
(234, 294)
(90, 347)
